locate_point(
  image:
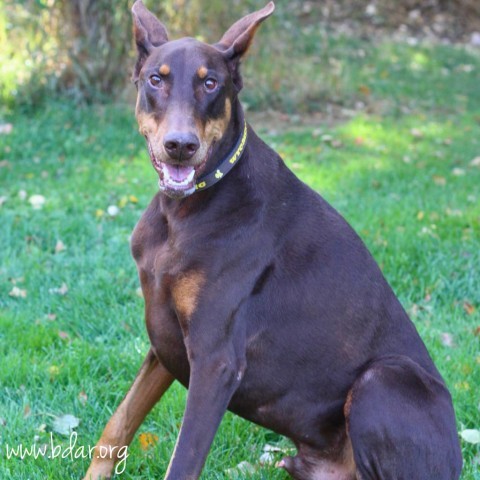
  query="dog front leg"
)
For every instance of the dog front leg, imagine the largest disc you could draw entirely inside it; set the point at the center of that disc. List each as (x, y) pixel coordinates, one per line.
(213, 381)
(150, 384)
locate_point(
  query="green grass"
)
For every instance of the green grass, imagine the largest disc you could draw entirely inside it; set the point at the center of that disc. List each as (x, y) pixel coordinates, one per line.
(400, 173)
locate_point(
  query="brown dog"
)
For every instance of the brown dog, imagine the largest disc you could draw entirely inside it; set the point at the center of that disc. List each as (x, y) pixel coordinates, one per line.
(260, 298)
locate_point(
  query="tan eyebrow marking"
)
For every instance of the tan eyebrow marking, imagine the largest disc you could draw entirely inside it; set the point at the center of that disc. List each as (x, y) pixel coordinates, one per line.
(164, 69)
(202, 72)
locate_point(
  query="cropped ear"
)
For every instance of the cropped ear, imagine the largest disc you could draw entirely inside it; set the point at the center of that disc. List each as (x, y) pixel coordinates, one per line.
(149, 33)
(238, 38)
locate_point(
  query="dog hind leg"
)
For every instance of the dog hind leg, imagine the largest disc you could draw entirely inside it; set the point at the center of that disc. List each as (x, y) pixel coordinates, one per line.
(401, 423)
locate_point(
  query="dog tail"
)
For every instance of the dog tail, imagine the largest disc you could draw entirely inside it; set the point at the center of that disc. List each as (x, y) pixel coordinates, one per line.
(401, 424)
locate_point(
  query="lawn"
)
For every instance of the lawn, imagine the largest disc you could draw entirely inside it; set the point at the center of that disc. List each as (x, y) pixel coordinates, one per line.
(402, 167)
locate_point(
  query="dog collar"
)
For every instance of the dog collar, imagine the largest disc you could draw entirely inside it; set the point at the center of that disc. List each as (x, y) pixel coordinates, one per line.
(226, 165)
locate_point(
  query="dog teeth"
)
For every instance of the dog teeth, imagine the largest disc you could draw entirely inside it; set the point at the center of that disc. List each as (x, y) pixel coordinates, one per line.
(168, 178)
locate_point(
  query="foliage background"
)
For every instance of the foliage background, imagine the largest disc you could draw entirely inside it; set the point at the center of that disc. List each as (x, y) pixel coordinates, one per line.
(82, 49)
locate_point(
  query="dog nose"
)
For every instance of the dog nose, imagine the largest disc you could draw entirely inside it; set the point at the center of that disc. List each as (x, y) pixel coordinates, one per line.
(181, 146)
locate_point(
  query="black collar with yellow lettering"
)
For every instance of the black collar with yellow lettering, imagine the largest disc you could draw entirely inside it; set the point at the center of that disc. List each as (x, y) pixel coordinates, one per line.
(226, 165)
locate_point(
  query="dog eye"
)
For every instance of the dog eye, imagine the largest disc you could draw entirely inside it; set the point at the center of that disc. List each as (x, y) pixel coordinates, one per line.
(155, 80)
(210, 84)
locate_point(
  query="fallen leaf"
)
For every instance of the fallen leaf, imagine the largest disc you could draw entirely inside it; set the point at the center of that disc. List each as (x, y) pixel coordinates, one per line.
(458, 172)
(476, 332)
(465, 386)
(82, 397)
(420, 215)
(54, 371)
(27, 411)
(6, 128)
(42, 428)
(453, 213)
(415, 132)
(364, 89)
(18, 292)
(99, 213)
(438, 180)
(447, 339)
(241, 470)
(113, 210)
(65, 424)
(51, 316)
(63, 290)
(4, 164)
(147, 440)
(475, 162)
(37, 201)
(63, 335)
(60, 246)
(468, 307)
(133, 199)
(471, 435)
(266, 458)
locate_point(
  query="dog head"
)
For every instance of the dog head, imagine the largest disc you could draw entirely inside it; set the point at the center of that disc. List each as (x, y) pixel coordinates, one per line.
(186, 89)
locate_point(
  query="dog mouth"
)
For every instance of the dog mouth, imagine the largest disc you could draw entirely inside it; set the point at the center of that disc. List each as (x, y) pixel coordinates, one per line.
(177, 180)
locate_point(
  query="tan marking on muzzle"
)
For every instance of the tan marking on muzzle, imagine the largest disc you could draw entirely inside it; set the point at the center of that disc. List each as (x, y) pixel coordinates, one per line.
(164, 69)
(202, 72)
(185, 293)
(215, 129)
(154, 130)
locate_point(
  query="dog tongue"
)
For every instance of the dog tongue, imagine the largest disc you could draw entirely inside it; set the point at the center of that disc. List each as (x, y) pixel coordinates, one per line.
(177, 173)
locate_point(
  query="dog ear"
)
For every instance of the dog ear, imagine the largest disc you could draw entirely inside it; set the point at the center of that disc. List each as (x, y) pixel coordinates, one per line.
(238, 38)
(149, 33)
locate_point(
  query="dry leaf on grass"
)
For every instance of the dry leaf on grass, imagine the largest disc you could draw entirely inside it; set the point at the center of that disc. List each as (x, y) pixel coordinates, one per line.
(447, 339)
(241, 470)
(471, 436)
(65, 424)
(147, 440)
(63, 290)
(468, 307)
(82, 396)
(6, 128)
(438, 180)
(60, 246)
(37, 201)
(64, 335)
(18, 292)
(475, 162)
(113, 210)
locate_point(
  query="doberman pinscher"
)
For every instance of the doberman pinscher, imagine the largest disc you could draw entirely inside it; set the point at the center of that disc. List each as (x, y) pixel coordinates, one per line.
(260, 298)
